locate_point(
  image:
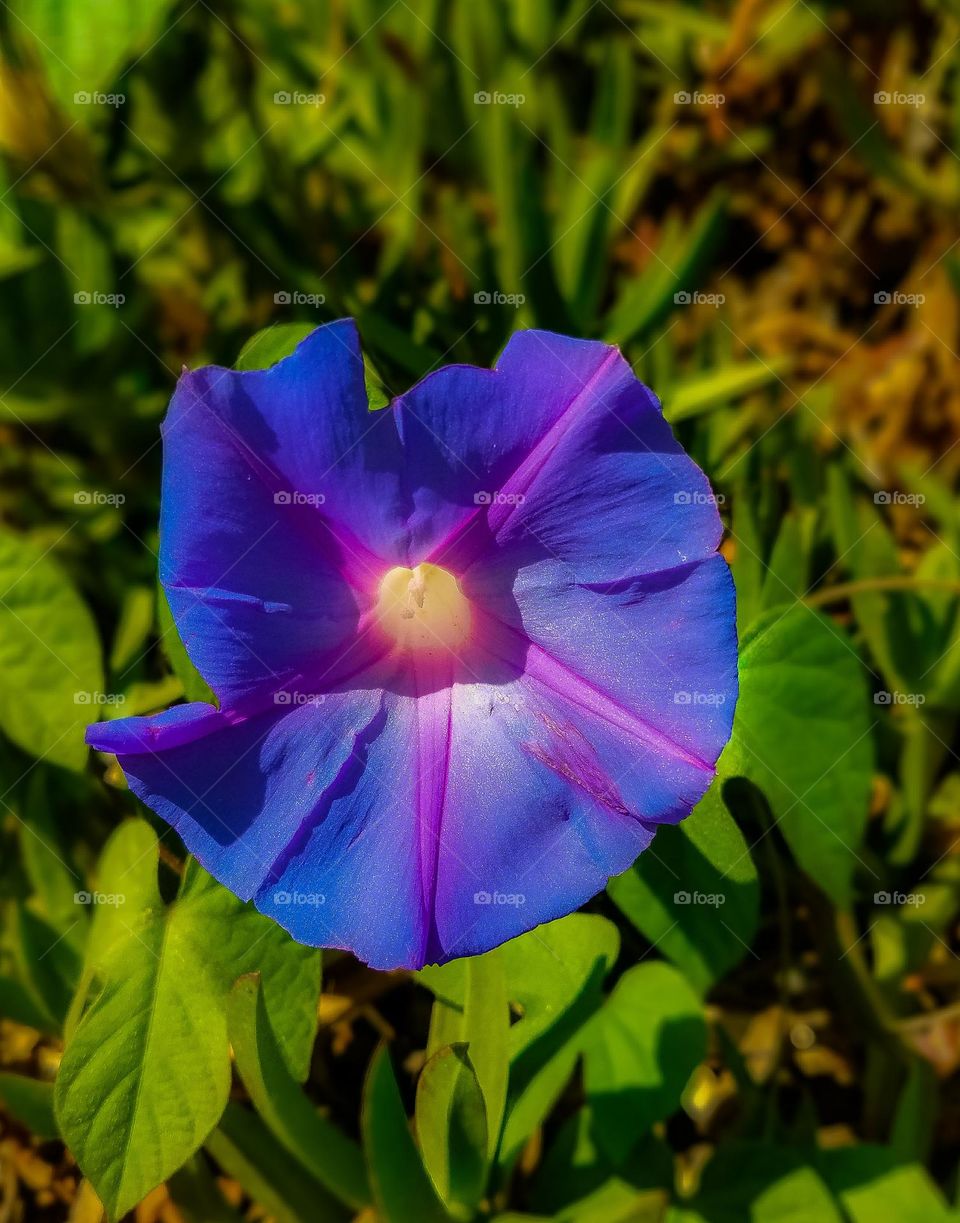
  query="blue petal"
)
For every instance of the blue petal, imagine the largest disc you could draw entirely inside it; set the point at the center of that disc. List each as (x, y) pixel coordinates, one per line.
(263, 470)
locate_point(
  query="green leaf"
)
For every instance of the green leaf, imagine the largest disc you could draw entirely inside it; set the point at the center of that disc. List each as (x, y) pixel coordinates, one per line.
(452, 1127)
(554, 977)
(747, 565)
(872, 1185)
(84, 250)
(195, 687)
(50, 665)
(22, 1004)
(545, 968)
(84, 49)
(146, 1071)
(866, 549)
(787, 577)
(559, 973)
(802, 734)
(194, 1191)
(695, 892)
(538, 1091)
(401, 1188)
(321, 1148)
(133, 627)
(31, 1102)
(486, 1031)
(548, 968)
(640, 1050)
(249, 1153)
(574, 1167)
(702, 392)
(272, 344)
(45, 861)
(761, 1183)
(49, 965)
(674, 267)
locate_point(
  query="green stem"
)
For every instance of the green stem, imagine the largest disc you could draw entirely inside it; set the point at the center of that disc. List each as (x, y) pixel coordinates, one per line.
(848, 590)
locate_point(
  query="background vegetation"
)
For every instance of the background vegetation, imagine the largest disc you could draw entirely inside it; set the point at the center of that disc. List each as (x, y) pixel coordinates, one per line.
(759, 202)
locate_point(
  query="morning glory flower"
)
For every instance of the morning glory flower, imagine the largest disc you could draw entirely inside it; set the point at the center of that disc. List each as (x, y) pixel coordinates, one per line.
(469, 650)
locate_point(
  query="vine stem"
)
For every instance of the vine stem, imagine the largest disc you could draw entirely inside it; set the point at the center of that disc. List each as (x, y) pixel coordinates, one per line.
(847, 590)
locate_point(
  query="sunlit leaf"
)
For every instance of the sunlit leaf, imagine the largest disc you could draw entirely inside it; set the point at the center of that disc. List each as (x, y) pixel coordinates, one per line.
(51, 675)
(146, 1072)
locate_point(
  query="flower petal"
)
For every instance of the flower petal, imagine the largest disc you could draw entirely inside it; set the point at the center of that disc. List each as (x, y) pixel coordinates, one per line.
(662, 646)
(588, 472)
(238, 790)
(353, 876)
(261, 470)
(472, 435)
(488, 802)
(429, 806)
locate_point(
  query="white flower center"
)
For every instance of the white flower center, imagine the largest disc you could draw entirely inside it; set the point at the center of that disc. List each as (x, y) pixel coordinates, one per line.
(424, 609)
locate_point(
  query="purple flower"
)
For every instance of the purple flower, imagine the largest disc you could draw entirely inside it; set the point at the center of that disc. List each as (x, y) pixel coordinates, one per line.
(469, 650)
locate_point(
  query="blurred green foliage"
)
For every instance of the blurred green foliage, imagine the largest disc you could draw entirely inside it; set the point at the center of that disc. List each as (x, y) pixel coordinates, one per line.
(758, 201)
